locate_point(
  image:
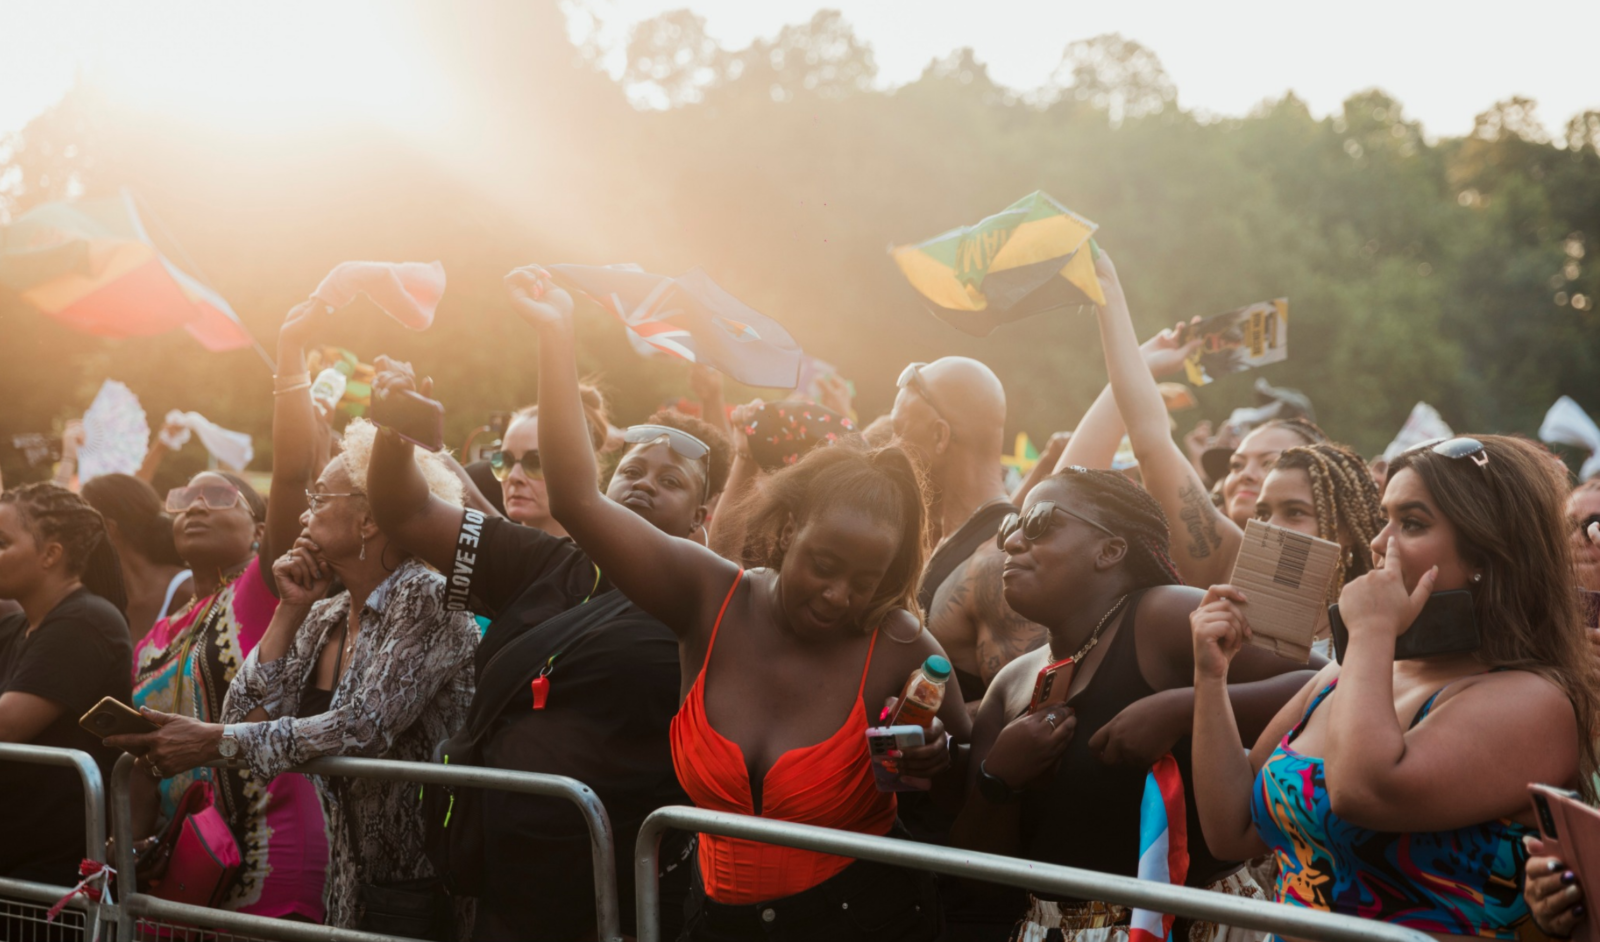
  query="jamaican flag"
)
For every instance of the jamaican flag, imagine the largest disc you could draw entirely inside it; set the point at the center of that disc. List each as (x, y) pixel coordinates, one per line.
(1033, 256)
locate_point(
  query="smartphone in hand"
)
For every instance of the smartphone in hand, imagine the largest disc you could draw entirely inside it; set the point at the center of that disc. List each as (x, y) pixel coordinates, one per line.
(111, 717)
(1448, 624)
(882, 739)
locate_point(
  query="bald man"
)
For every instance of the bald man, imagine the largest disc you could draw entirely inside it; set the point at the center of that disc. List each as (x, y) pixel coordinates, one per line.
(952, 414)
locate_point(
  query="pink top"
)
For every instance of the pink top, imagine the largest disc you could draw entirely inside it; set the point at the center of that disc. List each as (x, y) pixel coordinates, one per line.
(282, 835)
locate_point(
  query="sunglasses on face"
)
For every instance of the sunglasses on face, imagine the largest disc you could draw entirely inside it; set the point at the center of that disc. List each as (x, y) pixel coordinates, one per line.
(1036, 522)
(681, 443)
(912, 376)
(501, 462)
(215, 495)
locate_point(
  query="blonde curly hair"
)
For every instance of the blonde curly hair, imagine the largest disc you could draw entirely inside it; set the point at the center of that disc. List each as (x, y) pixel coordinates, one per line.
(356, 452)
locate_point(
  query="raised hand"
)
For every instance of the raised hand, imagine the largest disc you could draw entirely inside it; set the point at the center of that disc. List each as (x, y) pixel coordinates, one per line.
(740, 418)
(537, 299)
(393, 375)
(1165, 352)
(1219, 629)
(303, 322)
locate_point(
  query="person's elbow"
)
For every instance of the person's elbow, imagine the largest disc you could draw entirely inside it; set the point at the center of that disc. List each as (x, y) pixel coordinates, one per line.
(1367, 802)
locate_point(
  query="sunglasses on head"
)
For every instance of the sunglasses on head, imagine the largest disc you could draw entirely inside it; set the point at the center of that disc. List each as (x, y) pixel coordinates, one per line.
(1462, 447)
(912, 376)
(1036, 522)
(681, 443)
(217, 495)
(501, 462)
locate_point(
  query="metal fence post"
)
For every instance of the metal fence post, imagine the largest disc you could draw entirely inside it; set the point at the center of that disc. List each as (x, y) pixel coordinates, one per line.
(94, 815)
(992, 868)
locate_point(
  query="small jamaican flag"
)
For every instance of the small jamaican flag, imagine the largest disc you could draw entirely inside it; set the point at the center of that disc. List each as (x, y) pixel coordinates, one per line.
(1033, 256)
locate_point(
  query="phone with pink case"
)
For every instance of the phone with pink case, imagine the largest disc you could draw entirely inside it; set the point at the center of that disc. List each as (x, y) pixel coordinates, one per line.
(1570, 831)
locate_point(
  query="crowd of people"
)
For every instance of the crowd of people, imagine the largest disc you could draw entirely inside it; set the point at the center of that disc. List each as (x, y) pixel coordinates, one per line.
(653, 611)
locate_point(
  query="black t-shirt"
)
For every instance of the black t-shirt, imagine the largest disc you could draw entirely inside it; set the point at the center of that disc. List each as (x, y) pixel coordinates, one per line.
(613, 691)
(515, 576)
(79, 654)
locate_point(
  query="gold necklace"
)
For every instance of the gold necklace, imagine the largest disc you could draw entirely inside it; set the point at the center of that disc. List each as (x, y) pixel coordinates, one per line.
(1094, 638)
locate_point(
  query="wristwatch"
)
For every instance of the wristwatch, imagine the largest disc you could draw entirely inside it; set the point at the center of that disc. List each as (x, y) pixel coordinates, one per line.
(228, 747)
(995, 789)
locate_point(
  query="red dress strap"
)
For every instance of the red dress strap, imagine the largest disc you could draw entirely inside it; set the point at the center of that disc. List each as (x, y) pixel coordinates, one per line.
(724, 610)
(862, 689)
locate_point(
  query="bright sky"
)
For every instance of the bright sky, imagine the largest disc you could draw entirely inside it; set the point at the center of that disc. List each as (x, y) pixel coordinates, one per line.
(1445, 62)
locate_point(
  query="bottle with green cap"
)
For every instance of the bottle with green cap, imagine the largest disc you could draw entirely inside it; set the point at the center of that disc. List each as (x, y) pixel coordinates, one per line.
(923, 693)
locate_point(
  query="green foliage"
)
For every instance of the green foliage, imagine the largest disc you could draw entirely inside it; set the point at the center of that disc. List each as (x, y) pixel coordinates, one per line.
(1459, 271)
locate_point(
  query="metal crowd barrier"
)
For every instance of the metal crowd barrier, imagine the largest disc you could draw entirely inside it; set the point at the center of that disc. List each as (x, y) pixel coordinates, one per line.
(23, 904)
(992, 868)
(172, 918)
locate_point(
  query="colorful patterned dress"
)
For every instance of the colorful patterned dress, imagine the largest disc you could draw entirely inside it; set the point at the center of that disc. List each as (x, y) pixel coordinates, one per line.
(185, 665)
(1466, 881)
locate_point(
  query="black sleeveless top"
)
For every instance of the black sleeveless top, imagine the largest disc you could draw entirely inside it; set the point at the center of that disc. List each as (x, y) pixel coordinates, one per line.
(1087, 815)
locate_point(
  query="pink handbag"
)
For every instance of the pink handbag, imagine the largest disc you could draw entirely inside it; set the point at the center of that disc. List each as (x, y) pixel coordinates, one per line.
(203, 853)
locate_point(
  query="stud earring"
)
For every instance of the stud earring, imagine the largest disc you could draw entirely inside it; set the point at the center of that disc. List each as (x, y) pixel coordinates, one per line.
(255, 546)
(1477, 577)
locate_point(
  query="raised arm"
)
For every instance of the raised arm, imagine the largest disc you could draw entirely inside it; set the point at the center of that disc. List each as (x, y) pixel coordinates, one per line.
(728, 529)
(293, 432)
(1095, 441)
(675, 580)
(1204, 542)
(402, 506)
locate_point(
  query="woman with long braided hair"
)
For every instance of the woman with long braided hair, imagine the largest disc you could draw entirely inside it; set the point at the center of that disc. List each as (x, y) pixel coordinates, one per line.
(60, 655)
(1088, 559)
(1324, 491)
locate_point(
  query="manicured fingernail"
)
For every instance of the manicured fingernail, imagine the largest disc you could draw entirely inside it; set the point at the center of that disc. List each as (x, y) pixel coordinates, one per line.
(1572, 892)
(895, 753)
(1569, 877)
(1578, 910)
(884, 715)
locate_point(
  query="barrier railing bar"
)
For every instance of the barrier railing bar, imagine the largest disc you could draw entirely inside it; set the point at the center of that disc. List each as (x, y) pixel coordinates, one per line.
(993, 868)
(94, 813)
(608, 917)
(41, 893)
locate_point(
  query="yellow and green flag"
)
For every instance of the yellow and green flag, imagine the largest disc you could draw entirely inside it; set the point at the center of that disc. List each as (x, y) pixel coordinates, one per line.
(1034, 256)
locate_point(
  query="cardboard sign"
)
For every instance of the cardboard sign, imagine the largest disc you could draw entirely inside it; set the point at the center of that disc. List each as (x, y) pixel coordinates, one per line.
(1286, 575)
(1252, 336)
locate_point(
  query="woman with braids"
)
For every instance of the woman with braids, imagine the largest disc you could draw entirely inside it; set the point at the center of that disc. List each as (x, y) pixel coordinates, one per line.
(782, 668)
(1087, 558)
(1412, 774)
(158, 583)
(60, 655)
(1324, 490)
(1321, 490)
(229, 537)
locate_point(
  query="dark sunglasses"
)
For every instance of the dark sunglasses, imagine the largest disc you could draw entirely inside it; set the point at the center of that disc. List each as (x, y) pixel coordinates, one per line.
(1461, 447)
(215, 496)
(501, 462)
(912, 376)
(681, 442)
(1038, 521)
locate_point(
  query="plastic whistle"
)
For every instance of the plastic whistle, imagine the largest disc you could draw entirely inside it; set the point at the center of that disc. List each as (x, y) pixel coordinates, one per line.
(541, 691)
